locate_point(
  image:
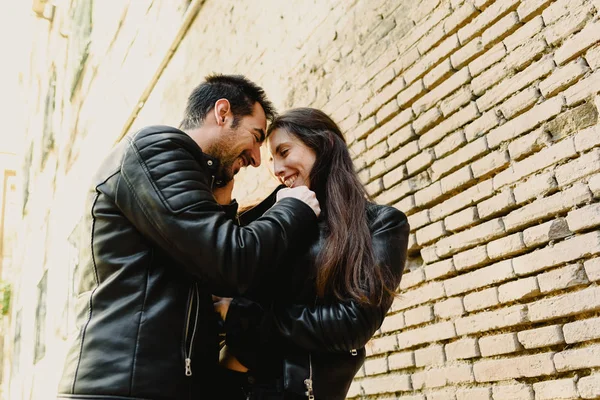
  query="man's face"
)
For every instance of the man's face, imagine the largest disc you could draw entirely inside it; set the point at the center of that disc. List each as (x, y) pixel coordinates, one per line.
(240, 146)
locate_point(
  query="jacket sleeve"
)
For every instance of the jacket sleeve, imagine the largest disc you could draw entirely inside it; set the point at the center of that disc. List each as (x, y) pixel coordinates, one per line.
(337, 327)
(164, 191)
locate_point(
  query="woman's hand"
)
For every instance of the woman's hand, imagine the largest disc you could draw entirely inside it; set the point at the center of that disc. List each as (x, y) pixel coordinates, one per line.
(221, 305)
(223, 194)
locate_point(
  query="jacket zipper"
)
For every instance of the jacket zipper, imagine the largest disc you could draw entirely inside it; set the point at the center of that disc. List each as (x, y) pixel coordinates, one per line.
(188, 350)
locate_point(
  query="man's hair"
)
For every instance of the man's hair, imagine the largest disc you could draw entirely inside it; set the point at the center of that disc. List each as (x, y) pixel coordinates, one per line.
(241, 93)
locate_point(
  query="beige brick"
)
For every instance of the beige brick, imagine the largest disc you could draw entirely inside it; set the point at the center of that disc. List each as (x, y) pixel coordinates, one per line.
(412, 243)
(423, 294)
(589, 386)
(458, 99)
(458, 119)
(524, 33)
(362, 130)
(556, 389)
(558, 9)
(520, 102)
(421, 161)
(581, 167)
(446, 394)
(480, 300)
(495, 273)
(442, 376)
(479, 234)
(355, 390)
(541, 337)
(594, 185)
(562, 252)
(431, 39)
(462, 349)
(523, 55)
(586, 357)
(393, 177)
(480, 84)
(375, 187)
(412, 278)
(499, 344)
(382, 345)
(487, 59)
(582, 331)
(573, 22)
(459, 158)
(547, 206)
(452, 307)
(429, 254)
(419, 315)
(457, 180)
(402, 137)
(525, 122)
(441, 91)
(518, 290)
(474, 394)
(490, 163)
(393, 323)
(432, 355)
(506, 246)
(449, 143)
(390, 127)
(459, 17)
(562, 278)
(583, 89)
(517, 367)
(563, 77)
(375, 366)
(592, 269)
(486, 18)
(565, 305)
(426, 334)
(402, 360)
(528, 144)
(428, 194)
(407, 205)
(587, 138)
(438, 74)
(410, 94)
(467, 53)
(427, 120)
(592, 56)
(462, 219)
(439, 269)
(410, 397)
(496, 205)
(519, 391)
(385, 384)
(470, 259)
(535, 186)
(376, 153)
(529, 8)
(482, 125)
(500, 29)
(512, 85)
(577, 44)
(449, 45)
(464, 199)
(419, 219)
(388, 111)
(490, 320)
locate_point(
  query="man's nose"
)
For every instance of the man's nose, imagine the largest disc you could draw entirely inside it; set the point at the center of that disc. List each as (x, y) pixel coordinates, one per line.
(255, 156)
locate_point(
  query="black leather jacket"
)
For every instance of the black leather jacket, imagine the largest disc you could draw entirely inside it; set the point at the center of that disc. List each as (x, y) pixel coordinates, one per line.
(157, 246)
(280, 328)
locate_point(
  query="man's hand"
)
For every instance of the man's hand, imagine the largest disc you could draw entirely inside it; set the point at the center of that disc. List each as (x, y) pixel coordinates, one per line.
(223, 194)
(221, 305)
(301, 193)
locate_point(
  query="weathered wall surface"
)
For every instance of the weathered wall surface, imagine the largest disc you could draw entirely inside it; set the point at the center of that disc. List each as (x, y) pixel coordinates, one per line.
(477, 118)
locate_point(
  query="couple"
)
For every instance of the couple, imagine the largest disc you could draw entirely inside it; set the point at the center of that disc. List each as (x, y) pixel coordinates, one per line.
(302, 280)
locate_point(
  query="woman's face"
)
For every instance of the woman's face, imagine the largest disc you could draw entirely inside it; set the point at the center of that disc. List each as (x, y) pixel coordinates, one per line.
(292, 159)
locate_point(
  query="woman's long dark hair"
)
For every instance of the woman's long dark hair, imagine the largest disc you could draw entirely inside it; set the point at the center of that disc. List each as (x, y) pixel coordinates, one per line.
(346, 263)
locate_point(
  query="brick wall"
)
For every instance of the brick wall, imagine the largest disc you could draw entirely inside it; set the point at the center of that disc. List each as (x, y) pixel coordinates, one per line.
(477, 118)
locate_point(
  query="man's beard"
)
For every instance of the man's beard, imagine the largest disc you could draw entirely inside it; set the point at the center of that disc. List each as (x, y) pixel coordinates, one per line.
(222, 151)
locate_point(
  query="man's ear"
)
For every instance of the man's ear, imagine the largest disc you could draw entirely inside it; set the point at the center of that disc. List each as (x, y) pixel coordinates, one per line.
(222, 111)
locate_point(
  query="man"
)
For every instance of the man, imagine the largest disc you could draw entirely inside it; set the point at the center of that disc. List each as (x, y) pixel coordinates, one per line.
(158, 245)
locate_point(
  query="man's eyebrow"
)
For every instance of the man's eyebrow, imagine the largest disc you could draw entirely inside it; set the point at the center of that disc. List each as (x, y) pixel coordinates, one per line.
(262, 134)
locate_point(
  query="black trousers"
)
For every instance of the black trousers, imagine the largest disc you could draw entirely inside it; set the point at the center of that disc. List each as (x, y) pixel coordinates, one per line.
(235, 385)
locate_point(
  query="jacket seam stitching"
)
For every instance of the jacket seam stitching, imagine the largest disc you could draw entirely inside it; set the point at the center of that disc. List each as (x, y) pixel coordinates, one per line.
(137, 338)
(90, 304)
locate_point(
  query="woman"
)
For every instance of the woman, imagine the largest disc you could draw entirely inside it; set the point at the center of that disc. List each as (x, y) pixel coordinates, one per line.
(302, 332)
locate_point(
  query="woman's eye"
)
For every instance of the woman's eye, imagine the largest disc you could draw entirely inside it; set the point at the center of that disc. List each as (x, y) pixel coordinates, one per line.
(284, 152)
